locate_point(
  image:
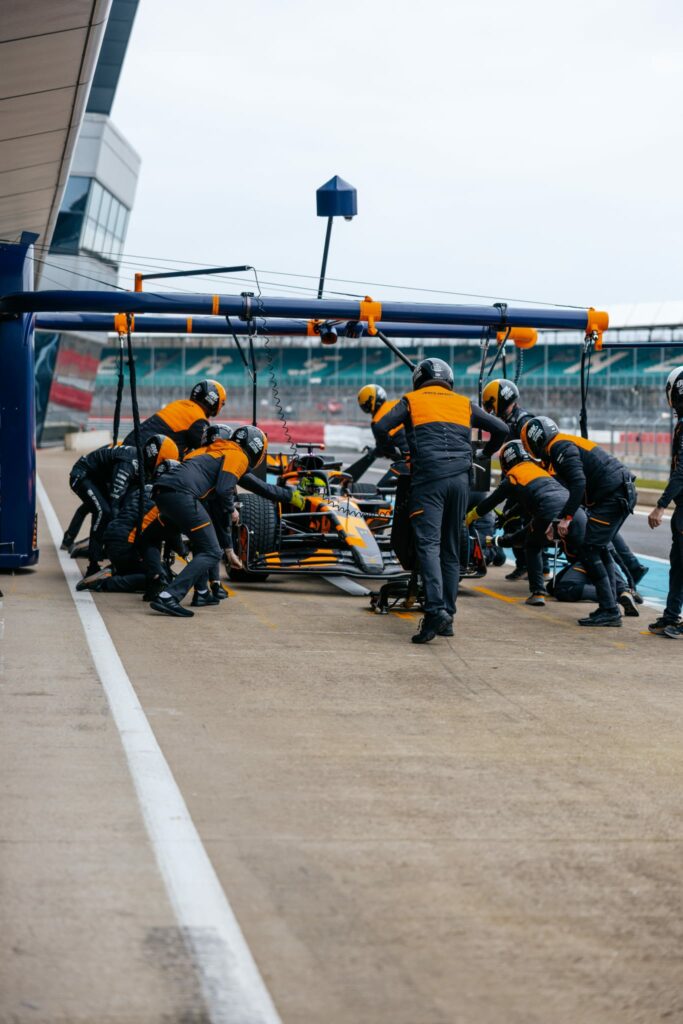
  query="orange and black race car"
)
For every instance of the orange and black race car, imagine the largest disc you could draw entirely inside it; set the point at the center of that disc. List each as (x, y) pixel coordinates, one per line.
(337, 532)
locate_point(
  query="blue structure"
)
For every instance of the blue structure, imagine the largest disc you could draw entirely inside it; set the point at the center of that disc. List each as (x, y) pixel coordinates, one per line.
(18, 534)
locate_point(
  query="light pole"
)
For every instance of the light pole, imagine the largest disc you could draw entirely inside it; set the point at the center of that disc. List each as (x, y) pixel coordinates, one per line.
(336, 198)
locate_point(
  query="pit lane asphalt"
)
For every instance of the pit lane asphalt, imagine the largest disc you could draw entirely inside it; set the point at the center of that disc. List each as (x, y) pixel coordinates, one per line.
(486, 830)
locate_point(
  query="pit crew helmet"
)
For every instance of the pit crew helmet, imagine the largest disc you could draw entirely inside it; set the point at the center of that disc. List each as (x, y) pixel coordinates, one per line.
(210, 394)
(511, 454)
(499, 396)
(217, 432)
(371, 397)
(432, 371)
(156, 450)
(312, 483)
(253, 443)
(674, 389)
(537, 433)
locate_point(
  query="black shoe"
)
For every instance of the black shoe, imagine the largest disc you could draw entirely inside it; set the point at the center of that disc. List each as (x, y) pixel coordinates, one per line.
(218, 590)
(517, 574)
(429, 627)
(638, 598)
(204, 600)
(169, 606)
(639, 573)
(94, 581)
(628, 603)
(446, 627)
(664, 627)
(602, 618)
(67, 541)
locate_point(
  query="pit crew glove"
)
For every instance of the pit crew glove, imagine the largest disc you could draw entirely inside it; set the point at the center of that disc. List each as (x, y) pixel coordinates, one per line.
(471, 516)
(298, 500)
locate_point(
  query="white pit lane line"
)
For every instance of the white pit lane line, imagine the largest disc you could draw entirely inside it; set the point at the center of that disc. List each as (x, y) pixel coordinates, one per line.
(233, 989)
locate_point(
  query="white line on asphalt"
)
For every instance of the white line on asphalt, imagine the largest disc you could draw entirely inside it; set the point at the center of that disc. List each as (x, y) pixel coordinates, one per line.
(233, 988)
(639, 512)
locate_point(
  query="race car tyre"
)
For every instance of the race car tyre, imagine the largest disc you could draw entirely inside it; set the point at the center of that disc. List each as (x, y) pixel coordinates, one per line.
(261, 519)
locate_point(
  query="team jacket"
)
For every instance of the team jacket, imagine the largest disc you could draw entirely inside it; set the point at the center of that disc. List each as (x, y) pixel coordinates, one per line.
(589, 473)
(397, 435)
(674, 489)
(183, 421)
(112, 470)
(208, 473)
(532, 488)
(438, 425)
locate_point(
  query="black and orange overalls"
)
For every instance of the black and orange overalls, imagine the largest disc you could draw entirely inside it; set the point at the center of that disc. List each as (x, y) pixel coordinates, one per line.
(605, 486)
(183, 421)
(438, 425)
(182, 494)
(540, 498)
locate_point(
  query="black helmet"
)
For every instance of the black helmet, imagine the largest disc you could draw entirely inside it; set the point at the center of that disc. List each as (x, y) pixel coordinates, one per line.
(674, 389)
(371, 397)
(156, 450)
(537, 433)
(499, 396)
(253, 443)
(217, 432)
(511, 454)
(210, 394)
(432, 371)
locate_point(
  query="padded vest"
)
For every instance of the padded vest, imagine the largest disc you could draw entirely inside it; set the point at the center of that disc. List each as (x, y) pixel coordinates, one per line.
(438, 433)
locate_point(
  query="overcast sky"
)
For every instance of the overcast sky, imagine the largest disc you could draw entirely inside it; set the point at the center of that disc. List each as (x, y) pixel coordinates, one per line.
(519, 149)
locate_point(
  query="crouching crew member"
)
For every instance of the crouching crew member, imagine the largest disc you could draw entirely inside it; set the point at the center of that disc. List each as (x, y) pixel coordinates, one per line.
(669, 624)
(223, 513)
(186, 420)
(500, 397)
(541, 499)
(605, 486)
(180, 494)
(101, 480)
(129, 554)
(438, 425)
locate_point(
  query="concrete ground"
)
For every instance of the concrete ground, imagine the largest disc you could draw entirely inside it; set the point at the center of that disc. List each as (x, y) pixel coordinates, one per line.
(486, 830)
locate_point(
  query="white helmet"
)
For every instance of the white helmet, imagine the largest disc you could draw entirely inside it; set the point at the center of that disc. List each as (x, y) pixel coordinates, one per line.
(674, 389)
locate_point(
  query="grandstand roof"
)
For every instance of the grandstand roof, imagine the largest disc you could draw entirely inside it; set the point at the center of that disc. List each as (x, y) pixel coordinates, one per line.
(648, 314)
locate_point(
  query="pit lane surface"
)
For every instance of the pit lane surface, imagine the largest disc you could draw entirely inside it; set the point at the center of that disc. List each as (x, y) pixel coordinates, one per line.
(483, 830)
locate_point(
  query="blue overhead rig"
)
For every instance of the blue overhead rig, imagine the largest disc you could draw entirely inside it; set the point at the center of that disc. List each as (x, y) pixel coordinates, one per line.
(246, 313)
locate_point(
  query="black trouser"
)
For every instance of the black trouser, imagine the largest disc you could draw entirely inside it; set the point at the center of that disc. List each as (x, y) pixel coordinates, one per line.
(625, 558)
(573, 585)
(132, 569)
(98, 506)
(537, 542)
(674, 601)
(605, 519)
(437, 510)
(190, 517)
(73, 529)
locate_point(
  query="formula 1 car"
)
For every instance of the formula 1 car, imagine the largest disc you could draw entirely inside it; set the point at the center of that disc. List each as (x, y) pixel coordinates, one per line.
(344, 528)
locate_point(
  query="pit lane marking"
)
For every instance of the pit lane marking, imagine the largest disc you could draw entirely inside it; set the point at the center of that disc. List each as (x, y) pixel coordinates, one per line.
(233, 989)
(498, 597)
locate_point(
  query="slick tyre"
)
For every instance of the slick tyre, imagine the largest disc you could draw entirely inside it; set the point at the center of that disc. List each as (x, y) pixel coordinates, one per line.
(261, 519)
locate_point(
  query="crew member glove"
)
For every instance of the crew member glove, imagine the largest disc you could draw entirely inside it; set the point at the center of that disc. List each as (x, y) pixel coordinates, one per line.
(471, 516)
(298, 500)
